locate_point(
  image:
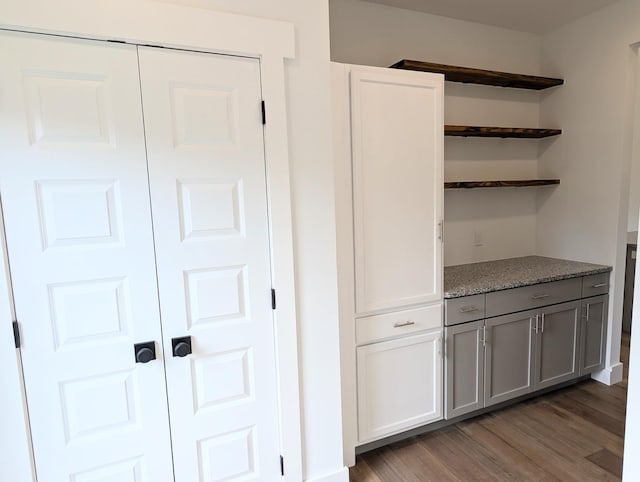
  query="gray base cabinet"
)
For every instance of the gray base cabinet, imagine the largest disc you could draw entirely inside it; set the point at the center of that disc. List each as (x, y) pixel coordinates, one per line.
(508, 357)
(500, 356)
(556, 359)
(593, 334)
(464, 368)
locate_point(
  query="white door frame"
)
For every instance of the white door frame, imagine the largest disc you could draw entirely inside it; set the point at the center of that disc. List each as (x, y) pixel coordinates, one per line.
(177, 26)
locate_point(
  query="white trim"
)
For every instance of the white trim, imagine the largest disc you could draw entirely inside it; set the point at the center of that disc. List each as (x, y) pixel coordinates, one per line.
(16, 456)
(610, 375)
(152, 22)
(341, 475)
(169, 25)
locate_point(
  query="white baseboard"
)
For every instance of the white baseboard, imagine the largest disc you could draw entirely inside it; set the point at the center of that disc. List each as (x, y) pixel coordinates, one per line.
(341, 475)
(610, 375)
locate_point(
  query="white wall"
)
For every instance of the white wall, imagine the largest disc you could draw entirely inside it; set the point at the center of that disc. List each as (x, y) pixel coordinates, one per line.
(504, 220)
(307, 89)
(586, 218)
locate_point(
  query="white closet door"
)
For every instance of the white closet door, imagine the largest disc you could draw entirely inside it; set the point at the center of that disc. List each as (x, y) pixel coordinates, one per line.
(75, 198)
(207, 177)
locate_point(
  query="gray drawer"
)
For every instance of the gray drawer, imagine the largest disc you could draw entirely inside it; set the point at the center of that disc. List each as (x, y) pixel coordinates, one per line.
(534, 296)
(595, 284)
(461, 310)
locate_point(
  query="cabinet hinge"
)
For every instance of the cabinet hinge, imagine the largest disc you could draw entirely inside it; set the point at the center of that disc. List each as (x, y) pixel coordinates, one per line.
(16, 334)
(264, 113)
(273, 299)
(281, 465)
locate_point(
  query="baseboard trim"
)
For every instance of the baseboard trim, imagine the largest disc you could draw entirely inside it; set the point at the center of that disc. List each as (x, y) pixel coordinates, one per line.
(341, 475)
(610, 375)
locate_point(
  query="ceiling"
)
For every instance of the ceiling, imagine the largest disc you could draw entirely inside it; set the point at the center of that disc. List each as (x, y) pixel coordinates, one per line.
(537, 16)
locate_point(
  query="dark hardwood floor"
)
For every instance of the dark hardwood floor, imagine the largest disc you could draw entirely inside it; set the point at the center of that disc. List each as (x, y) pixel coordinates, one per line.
(574, 434)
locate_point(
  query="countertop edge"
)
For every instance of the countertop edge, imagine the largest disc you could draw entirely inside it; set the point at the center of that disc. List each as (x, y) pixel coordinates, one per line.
(458, 293)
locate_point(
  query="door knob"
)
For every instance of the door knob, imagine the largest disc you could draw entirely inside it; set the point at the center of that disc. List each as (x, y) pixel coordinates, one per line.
(145, 352)
(181, 346)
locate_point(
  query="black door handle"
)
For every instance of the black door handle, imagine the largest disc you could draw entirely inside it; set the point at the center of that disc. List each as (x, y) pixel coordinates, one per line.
(181, 346)
(145, 352)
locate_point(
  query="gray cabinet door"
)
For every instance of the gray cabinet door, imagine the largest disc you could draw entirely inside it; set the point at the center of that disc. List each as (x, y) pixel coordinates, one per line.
(508, 356)
(464, 369)
(556, 351)
(593, 333)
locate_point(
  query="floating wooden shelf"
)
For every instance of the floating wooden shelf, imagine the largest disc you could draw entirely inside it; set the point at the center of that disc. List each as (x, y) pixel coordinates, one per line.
(479, 76)
(504, 132)
(521, 183)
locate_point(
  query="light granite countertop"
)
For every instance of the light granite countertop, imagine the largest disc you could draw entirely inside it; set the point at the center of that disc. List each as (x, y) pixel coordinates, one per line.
(477, 278)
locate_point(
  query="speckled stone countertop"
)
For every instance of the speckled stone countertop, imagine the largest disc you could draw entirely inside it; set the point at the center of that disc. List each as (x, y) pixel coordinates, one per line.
(477, 278)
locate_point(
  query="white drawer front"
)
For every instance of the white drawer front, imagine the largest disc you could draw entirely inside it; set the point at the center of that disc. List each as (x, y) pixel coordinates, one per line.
(398, 323)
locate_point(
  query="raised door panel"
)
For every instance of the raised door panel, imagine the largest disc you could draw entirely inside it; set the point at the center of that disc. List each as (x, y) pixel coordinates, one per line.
(464, 369)
(397, 132)
(76, 206)
(593, 334)
(557, 345)
(207, 178)
(399, 385)
(509, 357)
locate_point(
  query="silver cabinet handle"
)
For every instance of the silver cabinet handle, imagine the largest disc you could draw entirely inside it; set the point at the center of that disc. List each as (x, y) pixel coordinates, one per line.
(599, 285)
(535, 328)
(400, 324)
(484, 336)
(542, 327)
(540, 296)
(588, 304)
(468, 309)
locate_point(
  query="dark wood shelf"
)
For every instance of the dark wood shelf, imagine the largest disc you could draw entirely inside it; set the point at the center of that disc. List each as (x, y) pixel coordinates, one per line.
(479, 76)
(504, 132)
(520, 183)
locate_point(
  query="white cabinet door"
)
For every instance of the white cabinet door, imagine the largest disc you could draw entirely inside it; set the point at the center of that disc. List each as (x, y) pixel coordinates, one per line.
(397, 132)
(399, 384)
(74, 189)
(207, 177)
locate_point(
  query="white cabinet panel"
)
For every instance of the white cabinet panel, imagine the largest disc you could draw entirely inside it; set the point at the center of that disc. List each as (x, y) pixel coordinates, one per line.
(396, 122)
(399, 384)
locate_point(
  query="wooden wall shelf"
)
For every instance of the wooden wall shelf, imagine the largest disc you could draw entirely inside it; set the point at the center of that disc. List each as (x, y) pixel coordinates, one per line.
(479, 76)
(503, 132)
(521, 183)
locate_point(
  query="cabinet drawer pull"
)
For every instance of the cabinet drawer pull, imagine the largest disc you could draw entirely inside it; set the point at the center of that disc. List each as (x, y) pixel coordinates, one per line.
(599, 285)
(468, 309)
(539, 297)
(400, 324)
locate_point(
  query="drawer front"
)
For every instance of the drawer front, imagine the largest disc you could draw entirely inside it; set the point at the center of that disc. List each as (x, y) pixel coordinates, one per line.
(534, 296)
(595, 284)
(461, 310)
(391, 325)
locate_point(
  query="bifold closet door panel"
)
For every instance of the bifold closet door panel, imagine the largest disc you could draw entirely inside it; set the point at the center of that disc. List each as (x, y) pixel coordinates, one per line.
(209, 205)
(74, 189)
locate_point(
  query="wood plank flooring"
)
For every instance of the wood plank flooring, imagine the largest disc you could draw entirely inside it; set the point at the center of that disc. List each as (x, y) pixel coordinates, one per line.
(574, 434)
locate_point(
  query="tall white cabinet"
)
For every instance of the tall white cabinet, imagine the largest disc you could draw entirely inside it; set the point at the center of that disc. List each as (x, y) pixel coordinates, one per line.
(388, 137)
(135, 206)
